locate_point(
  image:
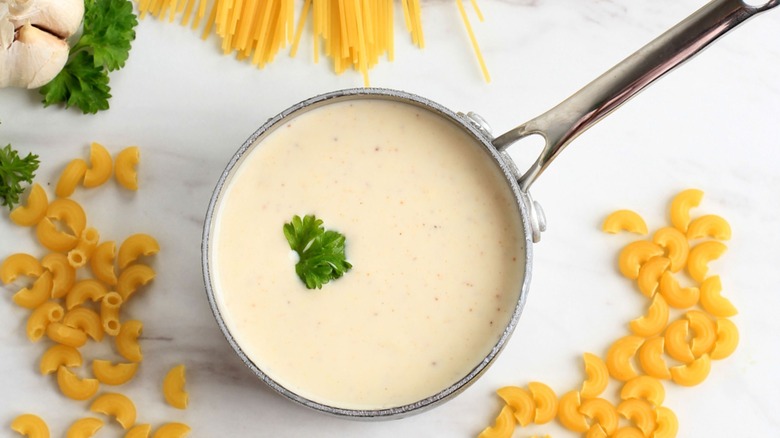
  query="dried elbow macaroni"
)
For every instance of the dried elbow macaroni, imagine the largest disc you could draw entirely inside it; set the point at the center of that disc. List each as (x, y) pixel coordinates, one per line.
(69, 307)
(672, 270)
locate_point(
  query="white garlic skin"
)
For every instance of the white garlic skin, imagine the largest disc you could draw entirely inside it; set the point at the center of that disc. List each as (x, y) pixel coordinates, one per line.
(33, 33)
(60, 17)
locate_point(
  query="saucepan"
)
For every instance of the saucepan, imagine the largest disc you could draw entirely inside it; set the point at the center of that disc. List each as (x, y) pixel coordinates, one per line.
(558, 127)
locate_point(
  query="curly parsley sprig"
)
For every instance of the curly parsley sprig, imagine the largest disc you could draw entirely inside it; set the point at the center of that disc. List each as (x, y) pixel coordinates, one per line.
(321, 253)
(104, 46)
(14, 171)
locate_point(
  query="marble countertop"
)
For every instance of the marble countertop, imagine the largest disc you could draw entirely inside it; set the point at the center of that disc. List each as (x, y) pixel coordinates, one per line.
(711, 125)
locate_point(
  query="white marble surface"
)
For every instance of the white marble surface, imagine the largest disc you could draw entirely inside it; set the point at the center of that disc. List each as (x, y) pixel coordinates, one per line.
(712, 125)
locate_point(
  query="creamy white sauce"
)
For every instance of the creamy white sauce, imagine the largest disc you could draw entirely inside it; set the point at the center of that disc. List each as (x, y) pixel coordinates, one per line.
(433, 234)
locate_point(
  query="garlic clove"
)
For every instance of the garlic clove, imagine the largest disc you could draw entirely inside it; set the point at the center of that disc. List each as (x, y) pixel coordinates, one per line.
(34, 59)
(60, 17)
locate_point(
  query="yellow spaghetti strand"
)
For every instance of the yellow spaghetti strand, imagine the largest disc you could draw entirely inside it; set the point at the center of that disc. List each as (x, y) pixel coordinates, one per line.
(299, 30)
(210, 22)
(473, 40)
(477, 10)
(355, 34)
(185, 19)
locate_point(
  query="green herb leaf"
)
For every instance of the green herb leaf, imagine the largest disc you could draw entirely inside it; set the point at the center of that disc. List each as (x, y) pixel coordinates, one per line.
(104, 46)
(13, 172)
(321, 253)
(109, 27)
(80, 84)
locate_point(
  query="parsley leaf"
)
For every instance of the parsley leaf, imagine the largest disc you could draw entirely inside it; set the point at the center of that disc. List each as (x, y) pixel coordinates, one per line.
(104, 46)
(109, 26)
(80, 84)
(13, 171)
(321, 253)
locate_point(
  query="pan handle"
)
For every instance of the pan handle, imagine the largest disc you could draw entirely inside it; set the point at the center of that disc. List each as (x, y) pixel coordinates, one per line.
(562, 124)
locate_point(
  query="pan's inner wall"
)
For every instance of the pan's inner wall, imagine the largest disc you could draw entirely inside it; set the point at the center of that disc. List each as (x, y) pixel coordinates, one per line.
(433, 231)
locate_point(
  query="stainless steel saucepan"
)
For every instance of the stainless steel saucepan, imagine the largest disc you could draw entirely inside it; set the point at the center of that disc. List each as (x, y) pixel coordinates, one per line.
(558, 126)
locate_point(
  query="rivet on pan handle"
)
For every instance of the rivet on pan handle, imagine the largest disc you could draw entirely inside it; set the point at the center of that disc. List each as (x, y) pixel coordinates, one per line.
(562, 124)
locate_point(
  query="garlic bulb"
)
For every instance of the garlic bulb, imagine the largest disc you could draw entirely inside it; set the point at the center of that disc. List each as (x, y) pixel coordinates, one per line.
(59, 17)
(33, 49)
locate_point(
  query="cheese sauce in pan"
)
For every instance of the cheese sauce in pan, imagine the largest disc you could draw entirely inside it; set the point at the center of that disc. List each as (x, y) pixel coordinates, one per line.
(433, 233)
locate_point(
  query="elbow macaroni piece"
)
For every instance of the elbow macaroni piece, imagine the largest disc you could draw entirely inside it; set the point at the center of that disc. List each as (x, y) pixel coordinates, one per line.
(115, 405)
(546, 402)
(40, 318)
(628, 432)
(30, 214)
(619, 357)
(711, 299)
(674, 242)
(74, 387)
(680, 208)
(59, 356)
(71, 177)
(31, 426)
(124, 167)
(102, 263)
(667, 424)
(127, 341)
(84, 290)
(710, 225)
(84, 428)
(676, 296)
(676, 341)
(598, 376)
(692, 373)
(176, 395)
(602, 412)
(503, 427)
(62, 334)
(62, 273)
(179, 430)
(133, 277)
(19, 264)
(109, 312)
(100, 168)
(139, 431)
(704, 332)
(569, 412)
(52, 238)
(640, 413)
(136, 246)
(596, 431)
(86, 320)
(644, 388)
(655, 321)
(78, 256)
(625, 220)
(521, 402)
(728, 338)
(635, 254)
(39, 293)
(701, 255)
(651, 358)
(650, 274)
(70, 213)
(110, 374)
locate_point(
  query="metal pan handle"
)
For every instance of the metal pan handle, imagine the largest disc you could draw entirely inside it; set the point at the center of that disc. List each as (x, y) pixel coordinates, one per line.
(562, 124)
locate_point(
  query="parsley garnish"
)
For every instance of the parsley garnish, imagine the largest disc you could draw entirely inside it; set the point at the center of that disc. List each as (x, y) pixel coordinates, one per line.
(14, 171)
(321, 253)
(109, 27)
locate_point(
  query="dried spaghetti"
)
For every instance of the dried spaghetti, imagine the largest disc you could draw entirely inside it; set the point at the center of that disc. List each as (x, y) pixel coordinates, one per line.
(353, 33)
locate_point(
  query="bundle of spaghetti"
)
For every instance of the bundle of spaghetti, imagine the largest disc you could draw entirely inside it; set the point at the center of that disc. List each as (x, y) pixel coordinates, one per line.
(353, 33)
